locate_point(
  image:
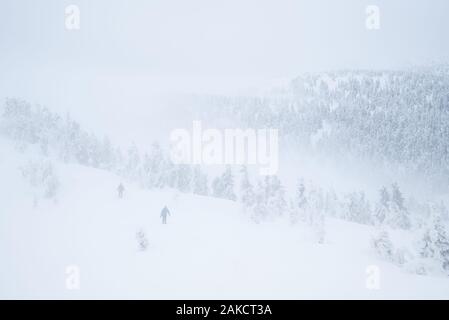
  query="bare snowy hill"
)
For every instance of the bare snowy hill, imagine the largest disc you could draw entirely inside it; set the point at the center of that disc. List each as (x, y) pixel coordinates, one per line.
(208, 249)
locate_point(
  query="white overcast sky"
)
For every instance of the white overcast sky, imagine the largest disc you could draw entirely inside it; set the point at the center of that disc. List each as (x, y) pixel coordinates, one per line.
(126, 48)
(269, 38)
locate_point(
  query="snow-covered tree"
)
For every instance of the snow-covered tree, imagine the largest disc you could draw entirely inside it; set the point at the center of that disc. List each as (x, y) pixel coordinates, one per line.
(183, 178)
(383, 246)
(106, 155)
(426, 245)
(260, 210)
(157, 171)
(200, 184)
(133, 163)
(331, 205)
(247, 195)
(316, 213)
(43, 179)
(399, 216)
(358, 208)
(223, 186)
(434, 242)
(382, 210)
(301, 203)
(275, 192)
(441, 241)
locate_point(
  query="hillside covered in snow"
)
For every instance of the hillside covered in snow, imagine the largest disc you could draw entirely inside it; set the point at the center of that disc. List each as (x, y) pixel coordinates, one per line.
(208, 249)
(374, 227)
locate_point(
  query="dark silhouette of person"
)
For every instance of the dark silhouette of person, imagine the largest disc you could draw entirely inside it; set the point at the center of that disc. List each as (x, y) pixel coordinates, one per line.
(121, 190)
(164, 213)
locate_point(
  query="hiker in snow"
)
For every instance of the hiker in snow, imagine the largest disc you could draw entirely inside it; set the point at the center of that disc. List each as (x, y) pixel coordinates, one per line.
(120, 190)
(164, 214)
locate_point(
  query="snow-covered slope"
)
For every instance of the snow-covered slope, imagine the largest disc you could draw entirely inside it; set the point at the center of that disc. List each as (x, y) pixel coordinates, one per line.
(208, 249)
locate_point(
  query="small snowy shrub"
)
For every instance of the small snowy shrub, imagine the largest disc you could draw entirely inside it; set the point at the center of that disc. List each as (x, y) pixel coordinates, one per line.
(142, 240)
(42, 177)
(383, 246)
(434, 243)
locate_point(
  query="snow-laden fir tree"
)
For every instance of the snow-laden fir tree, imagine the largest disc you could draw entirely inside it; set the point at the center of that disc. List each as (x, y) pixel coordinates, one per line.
(275, 196)
(399, 216)
(156, 168)
(106, 156)
(119, 165)
(260, 211)
(434, 242)
(228, 183)
(247, 195)
(331, 203)
(183, 178)
(293, 211)
(442, 243)
(223, 186)
(426, 245)
(133, 163)
(18, 122)
(200, 185)
(300, 203)
(358, 208)
(383, 245)
(93, 151)
(382, 210)
(43, 179)
(315, 213)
